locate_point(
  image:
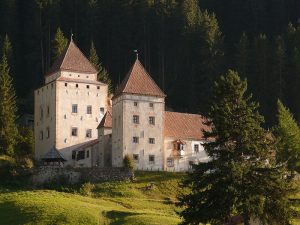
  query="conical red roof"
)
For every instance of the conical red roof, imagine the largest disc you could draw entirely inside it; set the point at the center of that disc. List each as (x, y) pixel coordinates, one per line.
(72, 59)
(139, 82)
(106, 121)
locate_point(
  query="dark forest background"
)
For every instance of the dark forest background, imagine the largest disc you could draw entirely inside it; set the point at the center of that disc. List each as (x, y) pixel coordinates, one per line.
(184, 44)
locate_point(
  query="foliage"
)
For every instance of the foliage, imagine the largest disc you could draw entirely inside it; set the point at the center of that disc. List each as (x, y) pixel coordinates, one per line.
(288, 138)
(128, 162)
(103, 75)
(8, 110)
(242, 178)
(25, 145)
(59, 43)
(86, 189)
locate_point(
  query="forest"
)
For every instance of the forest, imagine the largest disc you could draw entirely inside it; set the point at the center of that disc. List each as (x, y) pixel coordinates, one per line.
(184, 44)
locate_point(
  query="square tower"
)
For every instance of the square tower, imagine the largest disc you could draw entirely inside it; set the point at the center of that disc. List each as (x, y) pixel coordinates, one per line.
(69, 107)
(138, 121)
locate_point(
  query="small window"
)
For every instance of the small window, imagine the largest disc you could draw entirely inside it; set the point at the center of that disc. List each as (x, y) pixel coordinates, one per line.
(52, 85)
(89, 133)
(152, 120)
(74, 108)
(136, 119)
(136, 157)
(87, 86)
(88, 153)
(78, 75)
(135, 139)
(151, 105)
(76, 85)
(74, 131)
(87, 76)
(66, 84)
(151, 159)
(170, 162)
(73, 155)
(135, 104)
(101, 110)
(48, 111)
(89, 109)
(80, 155)
(98, 87)
(151, 141)
(196, 148)
(41, 135)
(47, 132)
(41, 113)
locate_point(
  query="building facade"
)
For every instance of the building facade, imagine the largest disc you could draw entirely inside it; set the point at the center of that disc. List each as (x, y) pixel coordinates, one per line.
(75, 119)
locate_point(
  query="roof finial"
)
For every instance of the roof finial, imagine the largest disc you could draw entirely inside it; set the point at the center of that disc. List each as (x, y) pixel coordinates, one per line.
(137, 54)
(71, 35)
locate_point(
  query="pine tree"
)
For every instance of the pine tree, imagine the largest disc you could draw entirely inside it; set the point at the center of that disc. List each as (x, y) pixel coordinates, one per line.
(243, 56)
(103, 75)
(7, 48)
(59, 43)
(8, 110)
(288, 135)
(242, 177)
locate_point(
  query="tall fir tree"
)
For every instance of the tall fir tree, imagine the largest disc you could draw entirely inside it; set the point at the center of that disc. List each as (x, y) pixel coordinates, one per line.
(243, 56)
(59, 43)
(8, 110)
(242, 177)
(103, 75)
(287, 132)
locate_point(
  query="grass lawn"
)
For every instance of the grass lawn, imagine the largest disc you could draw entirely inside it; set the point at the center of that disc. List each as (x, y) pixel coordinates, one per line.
(108, 203)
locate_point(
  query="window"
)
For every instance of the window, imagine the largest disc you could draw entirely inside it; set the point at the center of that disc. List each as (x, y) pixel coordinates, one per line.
(76, 85)
(135, 139)
(135, 103)
(52, 85)
(74, 108)
(47, 132)
(41, 113)
(151, 105)
(89, 133)
(196, 148)
(80, 155)
(74, 131)
(98, 87)
(136, 157)
(88, 154)
(89, 109)
(151, 141)
(101, 110)
(87, 86)
(136, 119)
(73, 155)
(170, 162)
(152, 120)
(151, 159)
(41, 135)
(66, 84)
(48, 111)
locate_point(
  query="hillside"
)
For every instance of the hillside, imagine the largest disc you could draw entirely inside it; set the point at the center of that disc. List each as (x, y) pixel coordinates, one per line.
(108, 203)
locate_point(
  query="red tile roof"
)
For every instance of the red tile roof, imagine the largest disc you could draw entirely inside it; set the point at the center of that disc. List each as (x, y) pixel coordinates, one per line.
(184, 126)
(72, 59)
(138, 81)
(106, 121)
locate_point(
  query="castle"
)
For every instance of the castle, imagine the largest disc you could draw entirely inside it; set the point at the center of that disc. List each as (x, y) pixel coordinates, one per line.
(76, 122)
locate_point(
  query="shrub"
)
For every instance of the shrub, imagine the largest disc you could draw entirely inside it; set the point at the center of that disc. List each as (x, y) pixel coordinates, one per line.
(87, 189)
(128, 162)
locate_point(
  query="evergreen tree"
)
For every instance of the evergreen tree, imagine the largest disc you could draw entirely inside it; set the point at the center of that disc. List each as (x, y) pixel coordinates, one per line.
(242, 177)
(103, 75)
(288, 138)
(8, 110)
(59, 43)
(7, 47)
(243, 56)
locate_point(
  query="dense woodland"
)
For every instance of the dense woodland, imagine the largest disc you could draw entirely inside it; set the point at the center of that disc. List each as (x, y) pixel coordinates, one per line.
(184, 44)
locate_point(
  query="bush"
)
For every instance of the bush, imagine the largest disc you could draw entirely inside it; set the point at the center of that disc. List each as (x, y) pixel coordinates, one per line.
(128, 162)
(87, 189)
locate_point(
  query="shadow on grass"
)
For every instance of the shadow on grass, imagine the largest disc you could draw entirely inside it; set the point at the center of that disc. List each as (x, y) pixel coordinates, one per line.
(13, 215)
(117, 217)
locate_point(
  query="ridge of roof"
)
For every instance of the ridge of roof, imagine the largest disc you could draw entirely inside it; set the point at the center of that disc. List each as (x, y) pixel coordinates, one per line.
(72, 59)
(138, 81)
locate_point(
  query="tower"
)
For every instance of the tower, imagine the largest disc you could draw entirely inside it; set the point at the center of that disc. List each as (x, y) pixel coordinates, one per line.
(138, 120)
(69, 106)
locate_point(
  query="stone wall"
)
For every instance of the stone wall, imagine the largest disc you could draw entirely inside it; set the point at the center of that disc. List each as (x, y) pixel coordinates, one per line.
(50, 174)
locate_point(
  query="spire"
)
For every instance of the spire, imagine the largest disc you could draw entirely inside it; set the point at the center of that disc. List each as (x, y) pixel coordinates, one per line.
(139, 82)
(72, 59)
(137, 54)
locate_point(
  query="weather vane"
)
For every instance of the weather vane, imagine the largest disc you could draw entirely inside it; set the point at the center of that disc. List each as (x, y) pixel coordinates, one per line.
(137, 53)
